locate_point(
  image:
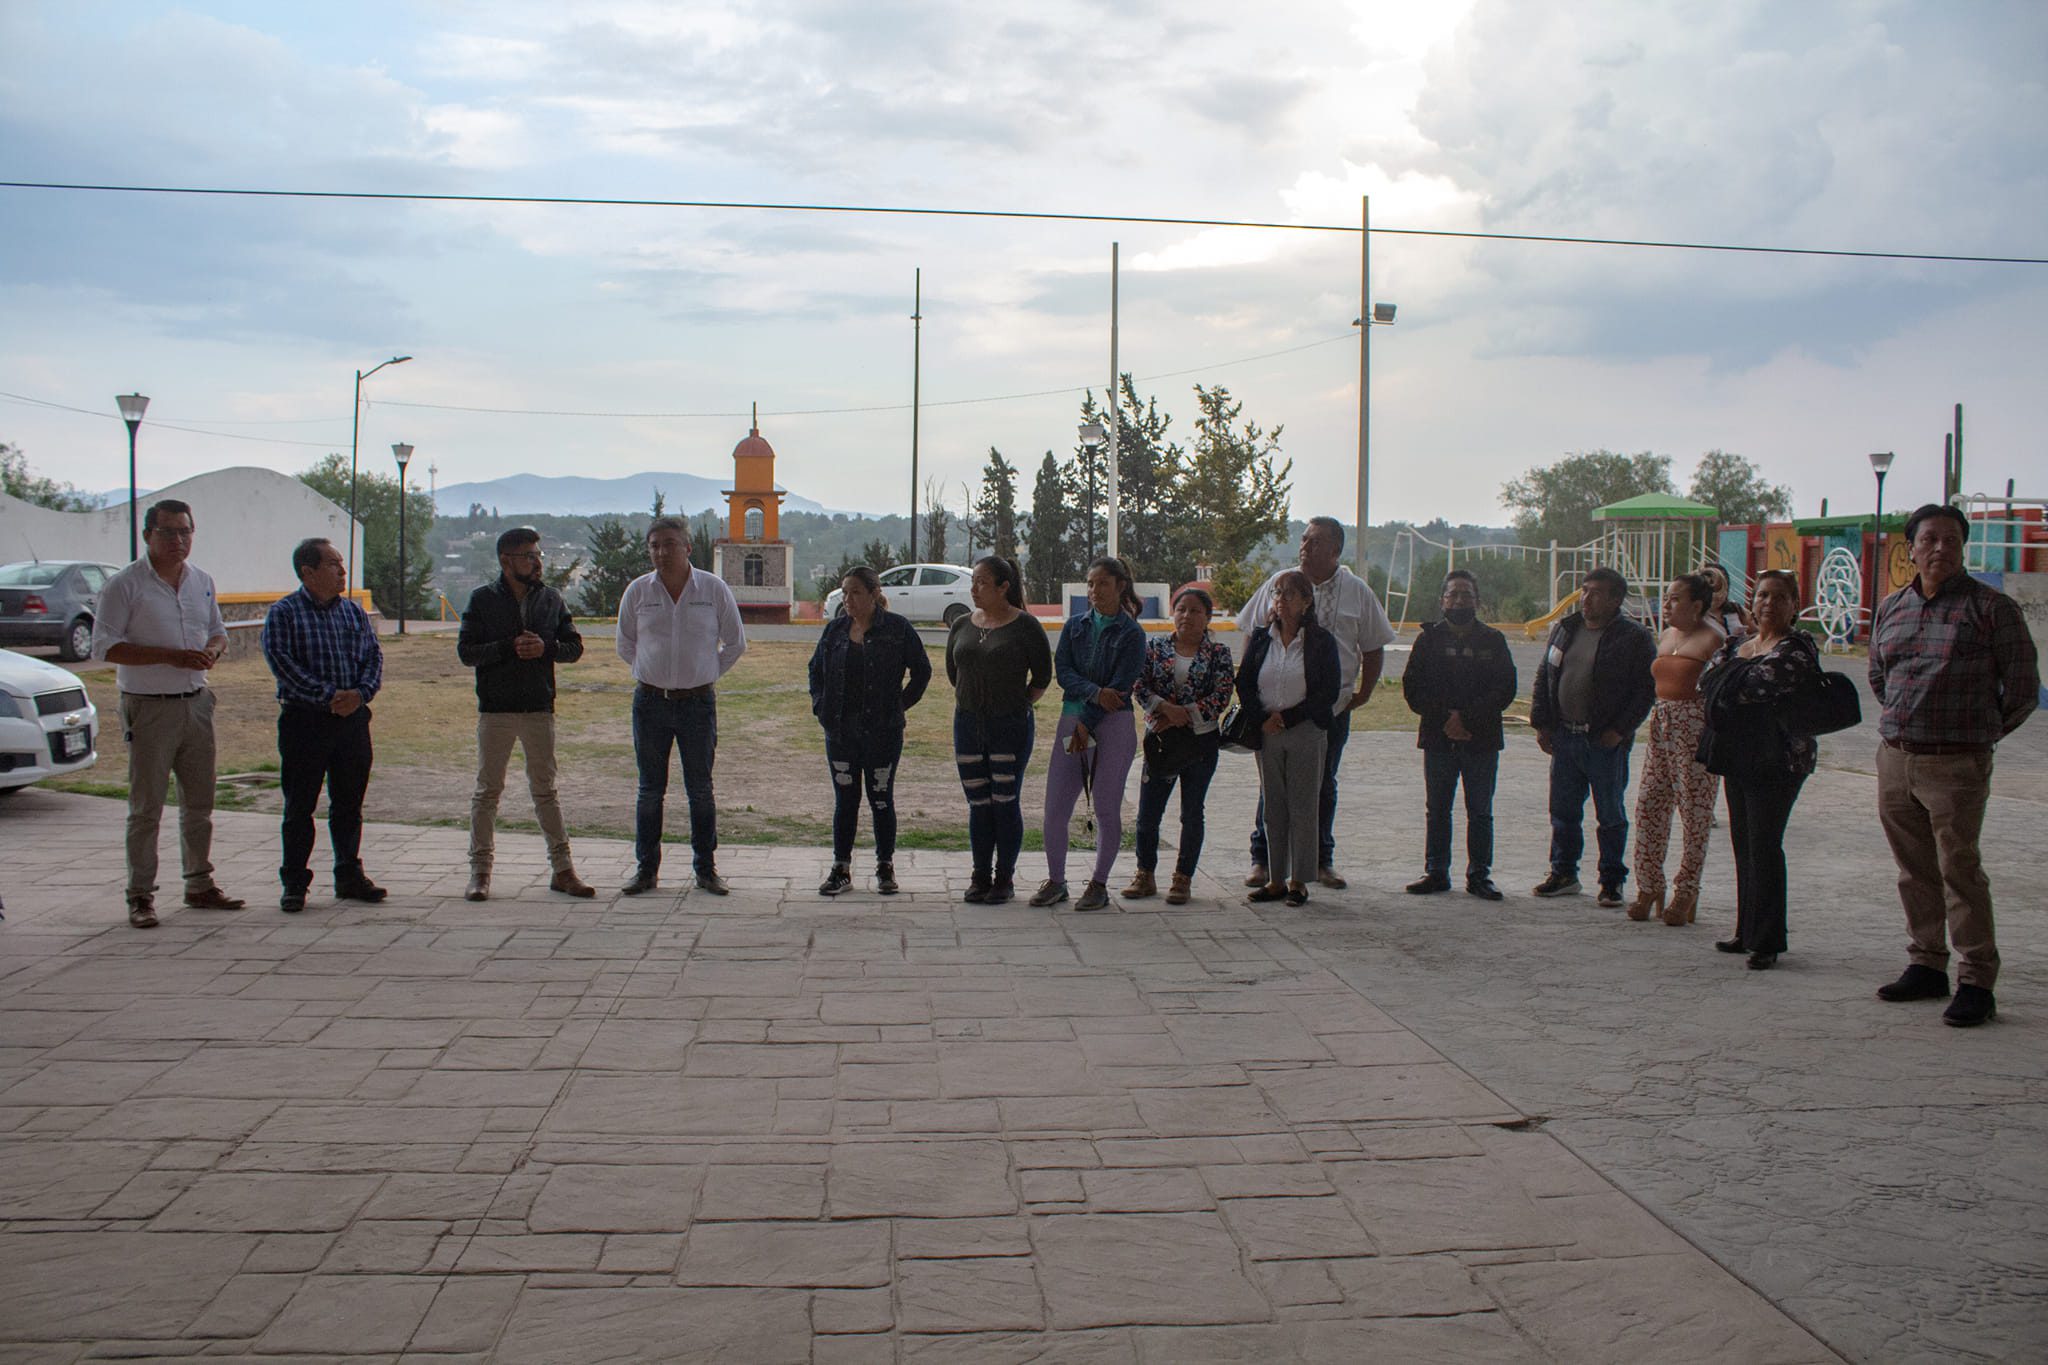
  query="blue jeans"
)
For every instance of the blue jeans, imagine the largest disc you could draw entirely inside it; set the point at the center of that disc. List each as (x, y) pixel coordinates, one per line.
(1578, 765)
(863, 762)
(1326, 804)
(1476, 766)
(1153, 794)
(690, 727)
(991, 752)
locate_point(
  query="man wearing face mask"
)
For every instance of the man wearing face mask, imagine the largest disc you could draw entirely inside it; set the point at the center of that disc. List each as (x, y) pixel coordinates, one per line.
(1459, 680)
(514, 631)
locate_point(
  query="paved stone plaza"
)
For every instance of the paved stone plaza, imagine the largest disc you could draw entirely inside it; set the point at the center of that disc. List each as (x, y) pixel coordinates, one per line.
(772, 1127)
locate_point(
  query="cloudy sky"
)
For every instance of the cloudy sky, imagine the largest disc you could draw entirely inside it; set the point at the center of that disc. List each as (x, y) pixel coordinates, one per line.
(1851, 124)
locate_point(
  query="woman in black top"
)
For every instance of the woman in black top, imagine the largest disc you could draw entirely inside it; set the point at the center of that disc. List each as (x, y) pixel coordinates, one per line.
(999, 664)
(1762, 764)
(868, 669)
(1289, 684)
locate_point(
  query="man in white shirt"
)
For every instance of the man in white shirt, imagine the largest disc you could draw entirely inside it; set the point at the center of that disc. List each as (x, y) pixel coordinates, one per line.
(1349, 610)
(679, 631)
(161, 628)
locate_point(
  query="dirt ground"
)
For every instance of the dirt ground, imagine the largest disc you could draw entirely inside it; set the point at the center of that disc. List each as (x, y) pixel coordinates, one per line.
(771, 775)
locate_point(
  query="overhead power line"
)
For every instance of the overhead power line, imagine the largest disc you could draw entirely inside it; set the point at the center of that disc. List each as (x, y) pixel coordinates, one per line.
(1034, 214)
(838, 412)
(166, 426)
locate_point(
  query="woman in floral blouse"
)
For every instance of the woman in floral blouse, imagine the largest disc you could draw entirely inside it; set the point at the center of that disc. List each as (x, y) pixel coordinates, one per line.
(1762, 763)
(1184, 687)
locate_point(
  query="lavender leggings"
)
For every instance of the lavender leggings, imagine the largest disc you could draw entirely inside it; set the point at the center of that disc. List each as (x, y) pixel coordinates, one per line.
(1116, 744)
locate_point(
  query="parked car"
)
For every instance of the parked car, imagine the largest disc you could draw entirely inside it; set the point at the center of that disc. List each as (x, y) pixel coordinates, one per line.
(922, 592)
(48, 726)
(52, 602)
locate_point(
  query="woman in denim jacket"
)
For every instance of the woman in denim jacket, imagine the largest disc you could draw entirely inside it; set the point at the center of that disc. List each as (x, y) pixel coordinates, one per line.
(1097, 662)
(1184, 687)
(868, 669)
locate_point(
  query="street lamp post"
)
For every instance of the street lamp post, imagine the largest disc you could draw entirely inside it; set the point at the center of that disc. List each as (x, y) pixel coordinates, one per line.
(1880, 464)
(1092, 436)
(133, 405)
(403, 454)
(355, 426)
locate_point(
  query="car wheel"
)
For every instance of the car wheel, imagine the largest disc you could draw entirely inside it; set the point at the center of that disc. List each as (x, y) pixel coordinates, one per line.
(953, 615)
(77, 642)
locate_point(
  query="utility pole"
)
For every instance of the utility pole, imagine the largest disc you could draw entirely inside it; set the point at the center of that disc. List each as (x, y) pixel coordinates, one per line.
(916, 397)
(1116, 492)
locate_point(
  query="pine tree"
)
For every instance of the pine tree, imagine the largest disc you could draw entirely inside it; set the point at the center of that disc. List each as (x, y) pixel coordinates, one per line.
(616, 559)
(1050, 555)
(1231, 496)
(996, 509)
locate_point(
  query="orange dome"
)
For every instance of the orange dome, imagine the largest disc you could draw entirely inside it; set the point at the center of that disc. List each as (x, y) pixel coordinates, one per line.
(754, 445)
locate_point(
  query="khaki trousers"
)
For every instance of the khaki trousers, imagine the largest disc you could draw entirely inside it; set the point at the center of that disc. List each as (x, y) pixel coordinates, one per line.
(168, 735)
(534, 732)
(1932, 807)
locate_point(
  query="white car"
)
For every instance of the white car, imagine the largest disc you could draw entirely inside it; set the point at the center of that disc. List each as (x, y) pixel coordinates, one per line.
(921, 592)
(48, 725)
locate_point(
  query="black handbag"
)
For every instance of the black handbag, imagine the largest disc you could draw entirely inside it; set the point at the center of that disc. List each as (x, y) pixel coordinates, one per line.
(1825, 705)
(1240, 730)
(1168, 752)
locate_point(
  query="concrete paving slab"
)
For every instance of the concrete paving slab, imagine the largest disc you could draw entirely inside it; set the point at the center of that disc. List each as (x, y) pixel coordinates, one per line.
(774, 1128)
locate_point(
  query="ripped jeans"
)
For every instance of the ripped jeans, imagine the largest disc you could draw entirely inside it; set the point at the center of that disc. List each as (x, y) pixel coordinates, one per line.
(863, 763)
(991, 752)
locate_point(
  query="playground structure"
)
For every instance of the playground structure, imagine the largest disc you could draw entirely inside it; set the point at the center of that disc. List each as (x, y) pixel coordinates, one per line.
(1656, 537)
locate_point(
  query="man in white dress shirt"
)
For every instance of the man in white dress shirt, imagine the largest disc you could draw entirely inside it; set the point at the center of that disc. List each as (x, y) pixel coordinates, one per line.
(1349, 610)
(679, 631)
(161, 628)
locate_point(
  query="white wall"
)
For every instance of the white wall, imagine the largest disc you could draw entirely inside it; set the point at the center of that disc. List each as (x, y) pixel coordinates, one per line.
(248, 520)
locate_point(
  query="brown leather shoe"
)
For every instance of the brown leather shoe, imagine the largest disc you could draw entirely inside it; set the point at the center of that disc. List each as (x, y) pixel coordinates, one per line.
(142, 913)
(479, 887)
(212, 898)
(1646, 905)
(569, 884)
(1142, 886)
(1181, 888)
(1329, 877)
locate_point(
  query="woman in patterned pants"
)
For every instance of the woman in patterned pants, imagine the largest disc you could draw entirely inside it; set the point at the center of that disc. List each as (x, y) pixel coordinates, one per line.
(1673, 779)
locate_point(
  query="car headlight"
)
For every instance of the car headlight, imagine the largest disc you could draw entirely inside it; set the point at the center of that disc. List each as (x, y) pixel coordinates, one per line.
(9, 706)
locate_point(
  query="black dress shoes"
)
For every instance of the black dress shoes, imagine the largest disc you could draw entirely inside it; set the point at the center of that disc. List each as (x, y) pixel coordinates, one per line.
(1971, 1007)
(1916, 983)
(1762, 962)
(1729, 945)
(358, 888)
(1483, 888)
(644, 880)
(1429, 885)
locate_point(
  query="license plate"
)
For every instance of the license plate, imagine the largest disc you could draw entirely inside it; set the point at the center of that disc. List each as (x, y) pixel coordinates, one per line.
(75, 743)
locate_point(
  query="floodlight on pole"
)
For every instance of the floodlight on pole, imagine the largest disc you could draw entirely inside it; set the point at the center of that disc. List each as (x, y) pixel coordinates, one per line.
(355, 427)
(1093, 434)
(1880, 465)
(401, 452)
(1370, 315)
(132, 405)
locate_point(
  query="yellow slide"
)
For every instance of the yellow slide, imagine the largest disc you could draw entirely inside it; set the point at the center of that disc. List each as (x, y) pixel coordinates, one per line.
(1537, 628)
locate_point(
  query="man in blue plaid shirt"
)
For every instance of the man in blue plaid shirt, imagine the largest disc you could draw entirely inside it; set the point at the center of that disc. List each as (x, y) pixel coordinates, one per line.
(328, 665)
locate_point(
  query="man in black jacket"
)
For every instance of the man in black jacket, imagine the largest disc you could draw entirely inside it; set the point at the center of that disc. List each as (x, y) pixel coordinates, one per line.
(1593, 689)
(1460, 678)
(514, 631)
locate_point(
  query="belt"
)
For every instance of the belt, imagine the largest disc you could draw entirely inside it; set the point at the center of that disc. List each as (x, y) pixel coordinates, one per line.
(1915, 747)
(165, 696)
(675, 693)
(1572, 728)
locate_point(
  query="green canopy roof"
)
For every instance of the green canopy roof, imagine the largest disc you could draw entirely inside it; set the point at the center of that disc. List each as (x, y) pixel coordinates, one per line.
(1655, 507)
(1820, 526)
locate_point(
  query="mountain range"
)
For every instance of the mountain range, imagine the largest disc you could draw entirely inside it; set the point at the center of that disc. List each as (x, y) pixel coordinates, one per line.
(570, 495)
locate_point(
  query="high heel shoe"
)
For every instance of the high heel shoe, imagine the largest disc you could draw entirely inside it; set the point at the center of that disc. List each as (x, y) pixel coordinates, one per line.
(1646, 905)
(1684, 905)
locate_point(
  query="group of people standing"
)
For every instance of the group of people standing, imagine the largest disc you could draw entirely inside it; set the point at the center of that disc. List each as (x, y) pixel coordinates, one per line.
(1951, 664)
(1730, 697)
